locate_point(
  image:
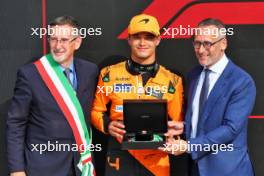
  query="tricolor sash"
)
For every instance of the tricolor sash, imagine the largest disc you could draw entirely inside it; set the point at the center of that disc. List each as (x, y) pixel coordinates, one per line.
(69, 104)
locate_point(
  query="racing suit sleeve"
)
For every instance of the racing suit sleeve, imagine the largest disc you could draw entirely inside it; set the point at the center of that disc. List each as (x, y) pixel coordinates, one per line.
(175, 106)
(100, 120)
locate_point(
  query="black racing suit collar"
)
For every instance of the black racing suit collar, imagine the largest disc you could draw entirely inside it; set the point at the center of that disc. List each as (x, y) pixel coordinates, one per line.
(136, 68)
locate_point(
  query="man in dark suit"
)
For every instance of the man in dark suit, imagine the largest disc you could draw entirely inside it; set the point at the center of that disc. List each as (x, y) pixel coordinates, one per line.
(37, 121)
(220, 96)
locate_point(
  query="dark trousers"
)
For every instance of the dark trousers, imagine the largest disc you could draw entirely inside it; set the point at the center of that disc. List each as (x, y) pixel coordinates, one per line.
(193, 168)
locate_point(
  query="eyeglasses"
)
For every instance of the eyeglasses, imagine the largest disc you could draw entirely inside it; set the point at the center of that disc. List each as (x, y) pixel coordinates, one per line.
(206, 44)
(64, 41)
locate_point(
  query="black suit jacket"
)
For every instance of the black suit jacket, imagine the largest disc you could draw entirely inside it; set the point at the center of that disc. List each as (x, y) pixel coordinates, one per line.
(35, 119)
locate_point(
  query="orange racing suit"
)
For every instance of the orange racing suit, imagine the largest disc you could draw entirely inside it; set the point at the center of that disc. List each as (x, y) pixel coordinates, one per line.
(117, 83)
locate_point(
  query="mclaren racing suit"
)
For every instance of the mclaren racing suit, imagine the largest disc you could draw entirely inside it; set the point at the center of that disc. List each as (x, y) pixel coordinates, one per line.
(118, 82)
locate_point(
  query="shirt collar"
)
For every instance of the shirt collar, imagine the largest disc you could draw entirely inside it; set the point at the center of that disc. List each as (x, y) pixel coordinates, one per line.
(220, 65)
(71, 67)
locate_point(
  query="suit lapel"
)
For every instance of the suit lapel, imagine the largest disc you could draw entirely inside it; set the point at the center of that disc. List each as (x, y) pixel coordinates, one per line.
(79, 75)
(218, 89)
(193, 86)
(191, 92)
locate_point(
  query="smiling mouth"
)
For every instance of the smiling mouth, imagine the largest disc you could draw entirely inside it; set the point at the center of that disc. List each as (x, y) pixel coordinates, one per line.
(202, 56)
(142, 49)
(59, 53)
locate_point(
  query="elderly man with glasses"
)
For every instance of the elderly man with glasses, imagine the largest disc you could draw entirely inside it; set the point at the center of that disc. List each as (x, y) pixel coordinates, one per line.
(48, 123)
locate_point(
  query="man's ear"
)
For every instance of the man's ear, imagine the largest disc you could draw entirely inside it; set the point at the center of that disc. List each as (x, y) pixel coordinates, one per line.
(128, 40)
(78, 42)
(158, 40)
(224, 44)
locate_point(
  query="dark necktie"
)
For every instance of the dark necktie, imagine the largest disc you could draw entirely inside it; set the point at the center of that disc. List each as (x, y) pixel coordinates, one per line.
(204, 91)
(67, 73)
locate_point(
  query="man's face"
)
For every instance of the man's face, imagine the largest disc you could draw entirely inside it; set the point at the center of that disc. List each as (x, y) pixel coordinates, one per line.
(63, 43)
(208, 56)
(143, 45)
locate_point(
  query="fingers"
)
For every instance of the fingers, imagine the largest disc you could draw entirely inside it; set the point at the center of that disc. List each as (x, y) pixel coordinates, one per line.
(175, 147)
(172, 139)
(178, 125)
(173, 132)
(119, 124)
(116, 129)
(18, 173)
(174, 128)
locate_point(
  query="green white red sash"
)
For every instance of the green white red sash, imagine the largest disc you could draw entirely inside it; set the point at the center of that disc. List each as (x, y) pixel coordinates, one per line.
(69, 104)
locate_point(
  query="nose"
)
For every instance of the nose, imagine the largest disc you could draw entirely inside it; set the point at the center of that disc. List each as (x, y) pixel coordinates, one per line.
(58, 44)
(142, 41)
(201, 49)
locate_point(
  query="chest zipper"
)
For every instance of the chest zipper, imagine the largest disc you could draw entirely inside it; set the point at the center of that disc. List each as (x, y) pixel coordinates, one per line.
(140, 88)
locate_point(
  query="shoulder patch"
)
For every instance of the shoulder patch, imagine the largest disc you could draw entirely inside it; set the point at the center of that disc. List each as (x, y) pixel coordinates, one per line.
(106, 77)
(171, 88)
(105, 72)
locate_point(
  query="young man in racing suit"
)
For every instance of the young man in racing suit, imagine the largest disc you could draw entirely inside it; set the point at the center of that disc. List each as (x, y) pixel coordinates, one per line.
(139, 77)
